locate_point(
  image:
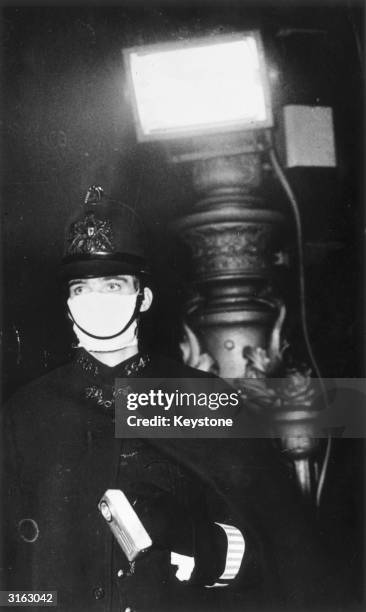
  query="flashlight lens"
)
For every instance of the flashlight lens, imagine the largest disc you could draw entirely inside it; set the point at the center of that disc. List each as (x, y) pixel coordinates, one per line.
(104, 508)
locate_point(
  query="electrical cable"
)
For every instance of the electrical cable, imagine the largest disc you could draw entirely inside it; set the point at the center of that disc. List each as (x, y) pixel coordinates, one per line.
(302, 294)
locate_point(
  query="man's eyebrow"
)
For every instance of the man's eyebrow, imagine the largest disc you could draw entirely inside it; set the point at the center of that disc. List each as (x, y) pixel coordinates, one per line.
(117, 276)
(77, 281)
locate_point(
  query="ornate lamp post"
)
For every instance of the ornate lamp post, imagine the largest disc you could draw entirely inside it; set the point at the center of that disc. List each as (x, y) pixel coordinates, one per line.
(216, 110)
(234, 235)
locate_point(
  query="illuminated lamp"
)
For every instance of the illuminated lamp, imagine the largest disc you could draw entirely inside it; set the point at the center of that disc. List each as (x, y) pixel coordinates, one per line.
(202, 86)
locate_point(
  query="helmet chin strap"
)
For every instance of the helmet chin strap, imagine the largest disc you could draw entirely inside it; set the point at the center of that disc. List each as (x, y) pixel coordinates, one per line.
(140, 297)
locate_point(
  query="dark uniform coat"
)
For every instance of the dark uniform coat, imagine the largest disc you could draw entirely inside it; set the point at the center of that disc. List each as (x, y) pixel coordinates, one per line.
(61, 457)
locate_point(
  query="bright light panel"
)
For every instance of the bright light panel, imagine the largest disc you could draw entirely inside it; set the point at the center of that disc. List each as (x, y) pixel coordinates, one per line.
(213, 85)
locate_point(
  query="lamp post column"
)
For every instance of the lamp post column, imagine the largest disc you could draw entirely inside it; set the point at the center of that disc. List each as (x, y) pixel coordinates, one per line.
(233, 235)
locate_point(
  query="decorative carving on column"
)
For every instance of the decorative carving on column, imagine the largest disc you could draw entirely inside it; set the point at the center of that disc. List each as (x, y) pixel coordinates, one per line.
(193, 355)
(223, 248)
(285, 397)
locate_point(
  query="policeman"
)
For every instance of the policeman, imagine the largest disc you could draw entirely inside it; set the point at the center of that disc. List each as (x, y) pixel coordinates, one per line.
(63, 454)
(227, 530)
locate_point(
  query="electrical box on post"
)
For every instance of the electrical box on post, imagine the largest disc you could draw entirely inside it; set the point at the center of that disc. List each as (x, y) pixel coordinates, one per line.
(308, 136)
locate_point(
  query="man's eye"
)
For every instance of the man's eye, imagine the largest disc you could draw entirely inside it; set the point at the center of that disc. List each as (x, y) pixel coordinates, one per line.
(114, 286)
(77, 290)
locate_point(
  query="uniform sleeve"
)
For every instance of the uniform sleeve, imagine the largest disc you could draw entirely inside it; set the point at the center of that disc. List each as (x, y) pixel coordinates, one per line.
(11, 497)
(206, 552)
(18, 498)
(227, 543)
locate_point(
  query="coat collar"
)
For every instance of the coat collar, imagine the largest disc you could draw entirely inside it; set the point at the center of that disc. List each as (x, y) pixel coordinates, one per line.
(99, 373)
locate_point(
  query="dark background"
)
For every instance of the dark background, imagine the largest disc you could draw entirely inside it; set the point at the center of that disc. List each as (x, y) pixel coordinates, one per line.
(66, 124)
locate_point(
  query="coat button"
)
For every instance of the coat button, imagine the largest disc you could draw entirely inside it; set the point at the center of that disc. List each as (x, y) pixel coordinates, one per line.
(28, 530)
(98, 593)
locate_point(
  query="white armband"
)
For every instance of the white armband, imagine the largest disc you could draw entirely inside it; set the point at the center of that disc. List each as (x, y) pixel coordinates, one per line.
(234, 555)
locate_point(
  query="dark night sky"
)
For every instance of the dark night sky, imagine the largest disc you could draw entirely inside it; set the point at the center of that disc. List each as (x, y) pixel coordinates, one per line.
(66, 124)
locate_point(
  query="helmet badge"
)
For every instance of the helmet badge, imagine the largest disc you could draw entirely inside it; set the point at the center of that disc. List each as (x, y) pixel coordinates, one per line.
(90, 236)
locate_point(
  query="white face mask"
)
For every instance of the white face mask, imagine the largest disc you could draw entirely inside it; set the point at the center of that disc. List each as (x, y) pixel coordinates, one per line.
(104, 315)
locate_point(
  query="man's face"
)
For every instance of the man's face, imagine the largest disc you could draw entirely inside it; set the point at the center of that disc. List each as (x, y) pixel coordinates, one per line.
(121, 284)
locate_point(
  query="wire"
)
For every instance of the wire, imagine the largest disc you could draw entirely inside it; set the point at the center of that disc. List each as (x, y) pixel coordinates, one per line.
(299, 237)
(323, 471)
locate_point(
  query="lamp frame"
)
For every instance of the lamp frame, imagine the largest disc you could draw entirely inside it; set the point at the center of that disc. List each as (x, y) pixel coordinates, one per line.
(215, 128)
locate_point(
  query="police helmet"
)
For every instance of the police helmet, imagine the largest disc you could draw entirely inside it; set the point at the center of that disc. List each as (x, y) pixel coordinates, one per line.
(104, 238)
